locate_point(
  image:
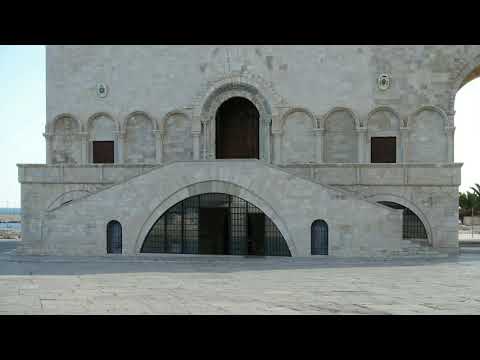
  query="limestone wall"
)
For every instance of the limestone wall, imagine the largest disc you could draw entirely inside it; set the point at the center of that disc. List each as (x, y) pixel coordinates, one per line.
(333, 89)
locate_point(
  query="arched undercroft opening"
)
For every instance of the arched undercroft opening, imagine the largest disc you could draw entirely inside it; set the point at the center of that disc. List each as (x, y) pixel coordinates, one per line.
(412, 227)
(215, 224)
(237, 130)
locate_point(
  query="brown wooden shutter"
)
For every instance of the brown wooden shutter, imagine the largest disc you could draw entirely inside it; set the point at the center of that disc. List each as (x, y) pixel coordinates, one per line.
(103, 152)
(384, 150)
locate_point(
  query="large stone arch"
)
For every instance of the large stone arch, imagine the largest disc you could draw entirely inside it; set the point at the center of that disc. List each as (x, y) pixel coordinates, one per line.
(408, 204)
(468, 72)
(213, 186)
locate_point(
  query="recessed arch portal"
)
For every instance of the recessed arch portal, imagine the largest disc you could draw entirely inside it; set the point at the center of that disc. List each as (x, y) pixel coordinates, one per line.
(215, 224)
(237, 130)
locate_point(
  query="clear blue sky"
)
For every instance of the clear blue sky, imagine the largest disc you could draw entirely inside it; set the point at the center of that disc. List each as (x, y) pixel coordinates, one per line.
(23, 115)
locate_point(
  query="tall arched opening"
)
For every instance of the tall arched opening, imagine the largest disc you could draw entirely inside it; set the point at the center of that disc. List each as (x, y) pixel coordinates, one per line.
(237, 130)
(215, 224)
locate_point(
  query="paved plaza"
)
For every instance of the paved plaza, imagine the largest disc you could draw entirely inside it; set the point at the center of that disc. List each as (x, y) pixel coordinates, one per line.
(237, 285)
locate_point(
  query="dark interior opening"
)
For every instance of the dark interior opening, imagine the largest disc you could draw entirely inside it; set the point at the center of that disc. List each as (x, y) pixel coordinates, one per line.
(237, 126)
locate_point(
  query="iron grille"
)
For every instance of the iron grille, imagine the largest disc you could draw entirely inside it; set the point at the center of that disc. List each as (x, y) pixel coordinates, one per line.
(114, 237)
(178, 230)
(319, 237)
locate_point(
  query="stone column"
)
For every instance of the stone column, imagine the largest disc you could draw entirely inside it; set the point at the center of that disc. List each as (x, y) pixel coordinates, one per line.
(266, 135)
(196, 145)
(319, 137)
(403, 144)
(205, 136)
(450, 131)
(83, 146)
(49, 147)
(120, 140)
(277, 147)
(361, 135)
(159, 135)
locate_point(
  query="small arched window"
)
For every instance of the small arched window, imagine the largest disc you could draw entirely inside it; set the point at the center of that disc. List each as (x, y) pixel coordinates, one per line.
(319, 238)
(114, 237)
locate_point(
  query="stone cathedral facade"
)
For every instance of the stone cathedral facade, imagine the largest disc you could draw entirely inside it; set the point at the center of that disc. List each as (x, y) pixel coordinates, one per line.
(299, 151)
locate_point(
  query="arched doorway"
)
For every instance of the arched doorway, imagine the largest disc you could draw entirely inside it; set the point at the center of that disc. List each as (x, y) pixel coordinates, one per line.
(215, 224)
(114, 237)
(237, 130)
(319, 238)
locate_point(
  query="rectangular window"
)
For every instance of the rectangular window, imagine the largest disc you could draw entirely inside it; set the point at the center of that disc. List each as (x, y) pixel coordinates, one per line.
(383, 150)
(103, 152)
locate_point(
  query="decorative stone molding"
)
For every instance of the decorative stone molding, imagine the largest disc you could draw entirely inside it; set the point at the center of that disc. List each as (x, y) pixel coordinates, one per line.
(221, 95)
(138, 113)
(434, 108)
(354, 115)
(382, 109)
(95, 116)
(183, 112)
(292, 110)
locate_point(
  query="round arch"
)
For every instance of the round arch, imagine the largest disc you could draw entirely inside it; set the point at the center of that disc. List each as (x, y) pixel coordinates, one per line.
(293, 110)
(50, 126)
(352, 113)
(138, 113)
(164, 119)
(408, 204)
(433, 108)
(220, 95)
(95, 116)
(388, 110)
(213, 186)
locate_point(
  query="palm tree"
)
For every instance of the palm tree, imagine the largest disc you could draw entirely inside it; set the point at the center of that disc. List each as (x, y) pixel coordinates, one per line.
(476, 190)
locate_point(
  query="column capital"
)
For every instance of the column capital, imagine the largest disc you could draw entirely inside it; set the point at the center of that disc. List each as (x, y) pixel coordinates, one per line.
(120, 134)
(159, 133)
(361, 130)
(82, 134)
(277, 132)
(196, 133)
(319, 131)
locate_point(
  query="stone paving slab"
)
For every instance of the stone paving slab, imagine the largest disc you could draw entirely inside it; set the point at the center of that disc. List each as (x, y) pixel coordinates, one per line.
(175, 285)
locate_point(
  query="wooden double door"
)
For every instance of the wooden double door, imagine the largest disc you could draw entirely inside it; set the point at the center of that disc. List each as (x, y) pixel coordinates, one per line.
(237, 130)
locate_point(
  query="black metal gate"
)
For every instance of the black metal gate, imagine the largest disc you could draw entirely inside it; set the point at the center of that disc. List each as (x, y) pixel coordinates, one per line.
(114, 237)
(190, 227)
(319, 238)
